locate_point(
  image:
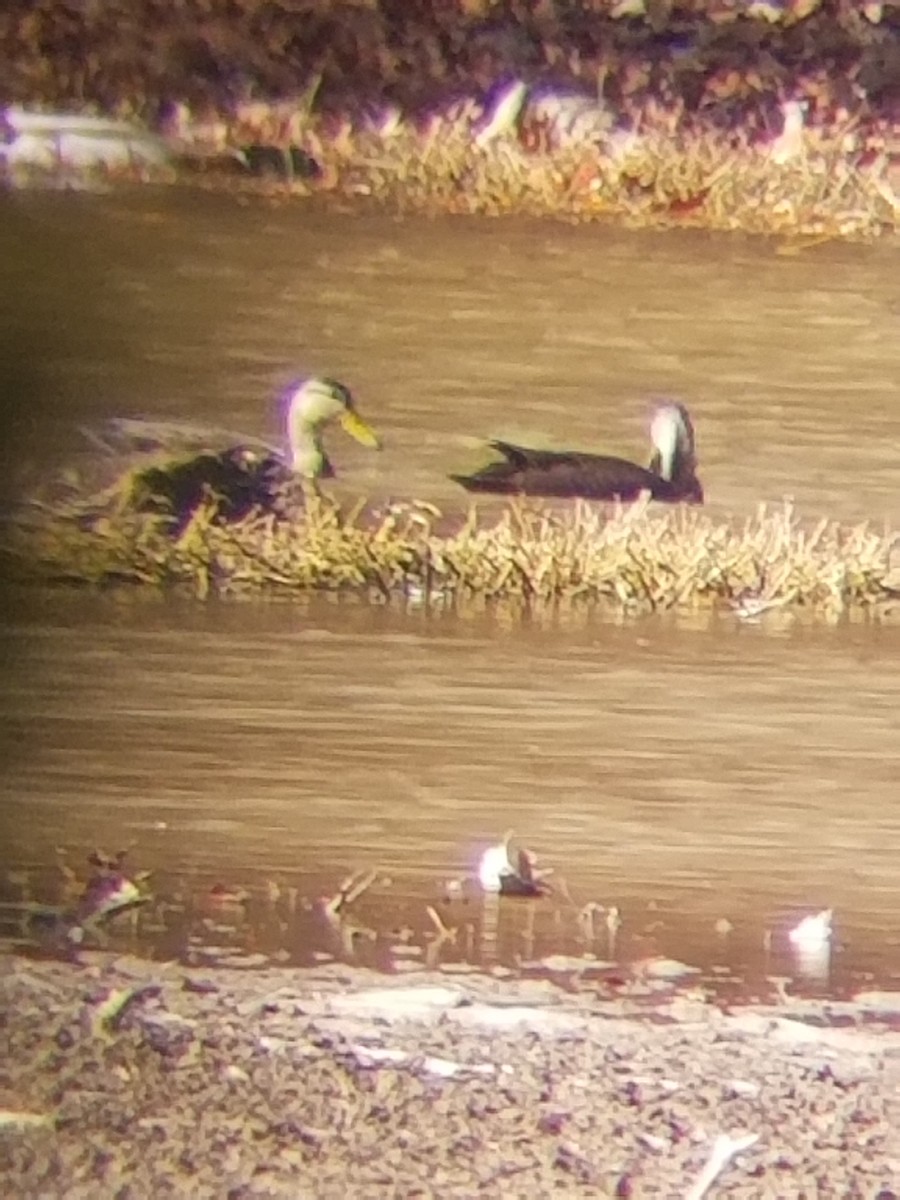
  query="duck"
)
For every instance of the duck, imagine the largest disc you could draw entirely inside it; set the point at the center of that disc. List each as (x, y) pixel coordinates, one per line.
(311, 406)
(670, 477)
(245, 475)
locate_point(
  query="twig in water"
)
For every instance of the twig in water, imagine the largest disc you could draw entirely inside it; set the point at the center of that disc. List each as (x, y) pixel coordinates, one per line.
(351, 889)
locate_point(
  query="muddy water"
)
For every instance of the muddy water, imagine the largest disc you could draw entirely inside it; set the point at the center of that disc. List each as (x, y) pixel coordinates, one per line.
(683, 772)
(454, 331)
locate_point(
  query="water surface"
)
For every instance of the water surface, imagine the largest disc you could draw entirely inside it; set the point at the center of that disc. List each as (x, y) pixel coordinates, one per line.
(685, 770)
(453, 331)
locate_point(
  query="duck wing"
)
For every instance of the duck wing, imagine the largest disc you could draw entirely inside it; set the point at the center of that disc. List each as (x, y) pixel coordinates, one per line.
(564, 473)
(238, 480)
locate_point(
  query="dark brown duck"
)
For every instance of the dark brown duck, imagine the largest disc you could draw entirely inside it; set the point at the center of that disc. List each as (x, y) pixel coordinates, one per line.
(671, 475)
(246, 476)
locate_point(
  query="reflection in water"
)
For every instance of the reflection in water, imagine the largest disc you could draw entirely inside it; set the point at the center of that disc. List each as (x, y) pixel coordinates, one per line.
(684, 776)
(367, 922)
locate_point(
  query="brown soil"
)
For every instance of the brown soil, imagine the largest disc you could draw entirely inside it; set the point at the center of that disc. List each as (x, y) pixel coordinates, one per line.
(131, 1079)
(709, 54)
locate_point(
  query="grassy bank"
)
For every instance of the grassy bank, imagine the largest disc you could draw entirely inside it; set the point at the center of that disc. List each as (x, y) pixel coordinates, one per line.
(632, 559)
(651, 114)
(663, 178)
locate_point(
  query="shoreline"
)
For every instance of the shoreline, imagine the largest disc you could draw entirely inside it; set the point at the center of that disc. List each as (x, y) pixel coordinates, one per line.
(783, 123)
(142, 1079)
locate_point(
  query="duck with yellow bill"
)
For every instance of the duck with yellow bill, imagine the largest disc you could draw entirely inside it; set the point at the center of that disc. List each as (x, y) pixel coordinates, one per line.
(191, 465)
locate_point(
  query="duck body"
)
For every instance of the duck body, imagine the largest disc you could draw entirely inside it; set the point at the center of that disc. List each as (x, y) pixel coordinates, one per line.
(670, 477)
(238, 481)
(566, 473)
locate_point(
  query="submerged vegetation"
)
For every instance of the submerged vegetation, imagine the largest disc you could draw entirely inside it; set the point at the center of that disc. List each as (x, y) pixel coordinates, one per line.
(631, 558)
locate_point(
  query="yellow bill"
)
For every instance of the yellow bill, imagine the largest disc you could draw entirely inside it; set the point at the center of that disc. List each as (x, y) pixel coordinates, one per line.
(358, 429)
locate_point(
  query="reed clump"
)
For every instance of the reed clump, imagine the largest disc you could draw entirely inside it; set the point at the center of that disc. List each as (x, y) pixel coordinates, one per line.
(696, 180)
(634, 559)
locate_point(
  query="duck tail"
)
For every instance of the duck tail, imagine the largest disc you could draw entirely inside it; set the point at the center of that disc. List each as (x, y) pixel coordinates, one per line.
(471, 483)
(497, 478)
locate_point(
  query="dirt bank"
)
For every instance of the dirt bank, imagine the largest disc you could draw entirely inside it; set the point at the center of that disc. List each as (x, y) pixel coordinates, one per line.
(715, 55)
(132, 1079)
(771, 117)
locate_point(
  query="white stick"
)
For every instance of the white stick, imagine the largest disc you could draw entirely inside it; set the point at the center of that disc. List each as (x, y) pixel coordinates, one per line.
(723, 1151)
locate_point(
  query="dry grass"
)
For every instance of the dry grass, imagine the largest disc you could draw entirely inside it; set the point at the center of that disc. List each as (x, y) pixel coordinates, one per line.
(637, 558)
(663, 181)
(387, 99)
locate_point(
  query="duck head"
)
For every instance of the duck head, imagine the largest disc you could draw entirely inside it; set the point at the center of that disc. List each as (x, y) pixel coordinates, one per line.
(674, 456)
(311, 406)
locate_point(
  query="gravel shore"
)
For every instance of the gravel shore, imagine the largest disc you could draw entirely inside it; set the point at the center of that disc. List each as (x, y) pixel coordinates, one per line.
(127, 1078)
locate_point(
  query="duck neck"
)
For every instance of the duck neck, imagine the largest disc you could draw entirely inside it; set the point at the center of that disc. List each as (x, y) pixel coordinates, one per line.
(307, 455)
(673, 451)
